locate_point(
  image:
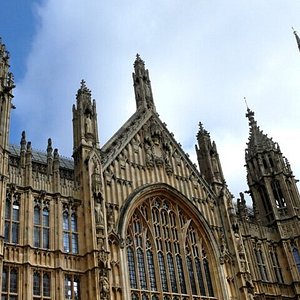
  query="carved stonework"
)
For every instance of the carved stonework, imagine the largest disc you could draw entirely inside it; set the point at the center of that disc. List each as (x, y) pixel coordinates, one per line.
(99, 209)
(104, 288)
(110, 216)
(157, 148)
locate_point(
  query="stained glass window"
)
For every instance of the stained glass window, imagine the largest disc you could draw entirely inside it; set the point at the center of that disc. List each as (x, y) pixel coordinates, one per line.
(163, 259)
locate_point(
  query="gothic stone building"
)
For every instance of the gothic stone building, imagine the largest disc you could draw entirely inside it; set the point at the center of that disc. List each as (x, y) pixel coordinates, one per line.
(135, 219)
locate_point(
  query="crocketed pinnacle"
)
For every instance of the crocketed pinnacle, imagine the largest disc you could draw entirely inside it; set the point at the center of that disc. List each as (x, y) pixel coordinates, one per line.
(202, 132)
(139, 66)
(83, 89)
(258, 141)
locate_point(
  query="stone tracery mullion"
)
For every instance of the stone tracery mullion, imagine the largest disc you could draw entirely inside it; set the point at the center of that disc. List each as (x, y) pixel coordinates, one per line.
(161, 232)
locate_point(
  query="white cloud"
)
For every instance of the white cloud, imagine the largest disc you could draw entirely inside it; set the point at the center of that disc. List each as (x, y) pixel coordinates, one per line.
(203, 58)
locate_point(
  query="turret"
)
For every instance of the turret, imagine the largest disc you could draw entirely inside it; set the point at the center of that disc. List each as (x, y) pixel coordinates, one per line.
(85, 129)
(270, 178)
(208, 159)
(142, 85)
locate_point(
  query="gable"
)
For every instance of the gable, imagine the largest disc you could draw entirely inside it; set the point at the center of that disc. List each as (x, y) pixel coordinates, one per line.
(143, 151)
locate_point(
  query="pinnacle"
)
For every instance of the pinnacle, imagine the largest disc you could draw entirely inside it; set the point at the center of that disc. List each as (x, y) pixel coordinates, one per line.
(258, 141)
(202, 131)
(138, 61)
(83, 89)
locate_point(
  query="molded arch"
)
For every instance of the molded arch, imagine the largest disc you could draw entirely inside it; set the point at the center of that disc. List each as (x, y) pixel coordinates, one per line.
(138, 196)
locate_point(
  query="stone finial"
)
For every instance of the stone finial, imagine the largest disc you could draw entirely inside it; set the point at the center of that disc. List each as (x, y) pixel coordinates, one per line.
(55, 153)
(139, 66)
(23, 140)
(83, 90)
(49, 147)
(138, 60)
(202, 131)
(29, 148)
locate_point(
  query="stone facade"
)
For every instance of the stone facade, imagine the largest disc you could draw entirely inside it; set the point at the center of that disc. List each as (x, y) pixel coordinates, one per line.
(136, 219)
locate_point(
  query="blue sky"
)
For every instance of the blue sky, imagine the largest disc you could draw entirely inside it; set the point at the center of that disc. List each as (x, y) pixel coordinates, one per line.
(204, 57)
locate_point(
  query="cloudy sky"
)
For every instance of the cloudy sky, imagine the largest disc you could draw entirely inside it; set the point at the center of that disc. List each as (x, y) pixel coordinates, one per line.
(203, 56)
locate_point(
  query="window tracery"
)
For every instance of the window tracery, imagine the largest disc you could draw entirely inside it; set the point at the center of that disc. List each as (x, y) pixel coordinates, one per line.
(10, 283)
(261, 265)
(41, 226)
(72, 287)
(296, 256)
(70, 231)
(12, 218)
(276, 265)
(161, 234)
(41, 285)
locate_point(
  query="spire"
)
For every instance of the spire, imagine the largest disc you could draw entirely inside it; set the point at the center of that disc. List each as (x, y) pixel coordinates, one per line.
(142, 85)
(297, 38)
(258, 141)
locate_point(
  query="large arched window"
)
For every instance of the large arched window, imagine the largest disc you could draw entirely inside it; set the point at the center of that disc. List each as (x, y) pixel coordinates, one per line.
(167, 256)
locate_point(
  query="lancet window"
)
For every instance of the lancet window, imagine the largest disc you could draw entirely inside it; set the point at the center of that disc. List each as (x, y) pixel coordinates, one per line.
(10, 283)
(166, 254)
(70, 231)
(12, 218)
(278, 195)
(276, 265)
(41, 285)
(261, 265)
(72, 287)
(296, 256)
(41, 226)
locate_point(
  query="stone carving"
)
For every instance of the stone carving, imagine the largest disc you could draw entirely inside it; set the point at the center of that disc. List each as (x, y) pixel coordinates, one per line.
(88, 125)
(104, 288)
(98, 209)
(110, 217)
(241, 206)
(157, 148)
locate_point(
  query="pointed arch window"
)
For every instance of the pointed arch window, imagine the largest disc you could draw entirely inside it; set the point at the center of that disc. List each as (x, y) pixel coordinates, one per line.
(156, 237)
(277, 193)
(41, 285)
(72, 287)
(10, 283)
(70, 232)
(276, 266)
(12, 218)
(296, 256)
(41, 227)
(261, 265)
